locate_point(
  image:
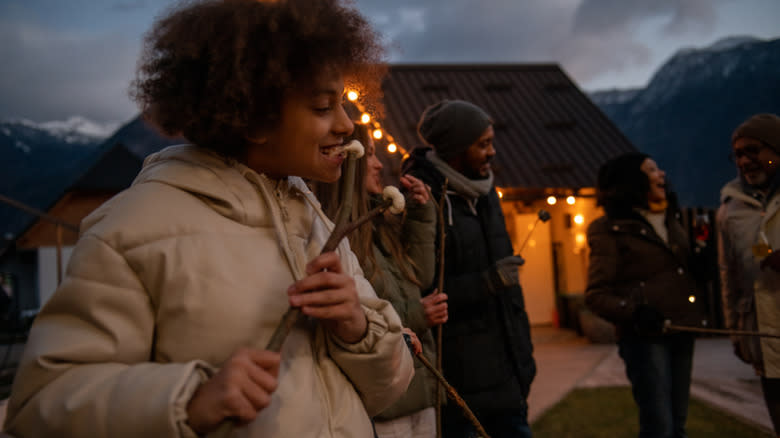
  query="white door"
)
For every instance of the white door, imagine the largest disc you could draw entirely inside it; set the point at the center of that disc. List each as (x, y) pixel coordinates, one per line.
(536, 275)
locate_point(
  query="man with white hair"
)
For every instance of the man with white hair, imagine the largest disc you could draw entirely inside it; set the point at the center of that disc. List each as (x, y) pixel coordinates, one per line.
(749, 239)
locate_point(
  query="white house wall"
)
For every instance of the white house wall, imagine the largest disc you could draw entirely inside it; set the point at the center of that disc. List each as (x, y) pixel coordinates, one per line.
(47, 270)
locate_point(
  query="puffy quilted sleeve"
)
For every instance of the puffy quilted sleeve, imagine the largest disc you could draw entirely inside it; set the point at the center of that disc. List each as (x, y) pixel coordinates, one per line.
(86, 370)
(380, 365)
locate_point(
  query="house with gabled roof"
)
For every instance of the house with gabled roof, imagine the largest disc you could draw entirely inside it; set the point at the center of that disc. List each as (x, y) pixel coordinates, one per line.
(550, 141)
(40, 252)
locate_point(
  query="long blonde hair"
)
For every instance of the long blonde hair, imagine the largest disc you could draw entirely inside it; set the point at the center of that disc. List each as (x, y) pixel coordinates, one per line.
(384, 229)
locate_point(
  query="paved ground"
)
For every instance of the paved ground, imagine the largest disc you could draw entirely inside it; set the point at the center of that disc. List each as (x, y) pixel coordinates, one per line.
(566, 361)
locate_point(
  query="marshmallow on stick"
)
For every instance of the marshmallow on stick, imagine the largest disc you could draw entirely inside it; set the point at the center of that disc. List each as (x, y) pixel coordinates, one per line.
(393, 194)
(354, 147)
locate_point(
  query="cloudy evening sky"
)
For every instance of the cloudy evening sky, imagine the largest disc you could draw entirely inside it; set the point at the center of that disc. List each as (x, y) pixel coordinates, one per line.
(76, 57)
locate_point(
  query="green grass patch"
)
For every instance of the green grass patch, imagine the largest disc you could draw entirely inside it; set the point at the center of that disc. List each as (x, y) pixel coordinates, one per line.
(610, 412)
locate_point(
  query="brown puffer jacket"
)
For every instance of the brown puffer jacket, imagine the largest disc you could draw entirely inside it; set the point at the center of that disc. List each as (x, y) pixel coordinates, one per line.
(631, 265)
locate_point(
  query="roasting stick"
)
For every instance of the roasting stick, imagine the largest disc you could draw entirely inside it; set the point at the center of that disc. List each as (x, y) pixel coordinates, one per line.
(392, 199)
(440, 289)
(668, 326)
(451, 392)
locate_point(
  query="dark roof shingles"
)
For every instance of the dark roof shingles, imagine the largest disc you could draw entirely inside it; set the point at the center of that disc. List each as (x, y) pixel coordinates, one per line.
(548, 132)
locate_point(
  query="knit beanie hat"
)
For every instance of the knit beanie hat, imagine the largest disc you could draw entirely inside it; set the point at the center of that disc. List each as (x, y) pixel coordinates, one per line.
(764, 127)
(451, 126)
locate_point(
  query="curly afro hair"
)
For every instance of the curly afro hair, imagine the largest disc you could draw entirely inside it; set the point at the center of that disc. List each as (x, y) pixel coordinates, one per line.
(216, 71)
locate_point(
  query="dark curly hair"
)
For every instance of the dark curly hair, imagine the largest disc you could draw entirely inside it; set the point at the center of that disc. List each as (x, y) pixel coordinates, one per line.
(622, 185)
(216, 71)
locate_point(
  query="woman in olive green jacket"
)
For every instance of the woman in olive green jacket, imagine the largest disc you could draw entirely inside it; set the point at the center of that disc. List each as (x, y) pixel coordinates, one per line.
(399, 269)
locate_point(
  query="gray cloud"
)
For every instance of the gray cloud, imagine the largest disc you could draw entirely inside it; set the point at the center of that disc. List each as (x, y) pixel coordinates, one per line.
(128, 5)
(589, 38)
(605, 34)
(681, 16)
(49, 75)
(466, 30)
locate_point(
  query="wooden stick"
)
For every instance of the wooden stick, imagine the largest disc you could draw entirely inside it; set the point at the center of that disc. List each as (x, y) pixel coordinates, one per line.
(453, 395)
(668, 326)
(440, 289)
(341, 229)
(294, 313)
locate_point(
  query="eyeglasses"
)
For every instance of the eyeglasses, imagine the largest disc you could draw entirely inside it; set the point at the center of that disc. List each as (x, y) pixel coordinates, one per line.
(751, 151)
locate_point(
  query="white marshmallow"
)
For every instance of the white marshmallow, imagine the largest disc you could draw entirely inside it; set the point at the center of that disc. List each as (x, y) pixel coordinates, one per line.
(399, 203)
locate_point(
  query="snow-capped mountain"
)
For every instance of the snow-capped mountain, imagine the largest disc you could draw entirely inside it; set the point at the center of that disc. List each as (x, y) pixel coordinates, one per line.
(685, 115)
(75, 130)
(614, 96)
(35, 159)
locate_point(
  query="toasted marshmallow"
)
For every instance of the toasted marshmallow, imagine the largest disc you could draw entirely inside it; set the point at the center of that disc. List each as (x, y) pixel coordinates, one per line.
(354, 147)
(399, 203)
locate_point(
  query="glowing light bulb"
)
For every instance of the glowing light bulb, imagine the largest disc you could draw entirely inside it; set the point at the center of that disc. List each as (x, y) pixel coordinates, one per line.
(352, 95)
(392, 148)
(570, 200)
(578, 219)
(500, 193)
(551, 200)
(579, 238)
(365, 118)
(377, 134)
(692, 298)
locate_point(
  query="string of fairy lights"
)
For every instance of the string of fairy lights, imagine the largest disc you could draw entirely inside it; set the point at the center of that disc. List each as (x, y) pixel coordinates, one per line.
(377, 132)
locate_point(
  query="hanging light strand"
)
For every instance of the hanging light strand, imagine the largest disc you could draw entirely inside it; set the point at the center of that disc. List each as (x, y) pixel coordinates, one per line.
(377, 132)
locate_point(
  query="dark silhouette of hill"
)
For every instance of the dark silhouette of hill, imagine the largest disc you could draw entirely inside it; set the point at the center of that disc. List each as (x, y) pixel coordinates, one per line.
(685, 115)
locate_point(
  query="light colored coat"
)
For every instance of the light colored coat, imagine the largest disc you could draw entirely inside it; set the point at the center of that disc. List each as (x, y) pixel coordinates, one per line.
(173, 275)
(751, 296)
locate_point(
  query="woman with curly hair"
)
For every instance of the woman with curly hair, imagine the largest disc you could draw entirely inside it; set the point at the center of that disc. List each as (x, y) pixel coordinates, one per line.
(397, 254)
(641, 274)
(177, 283)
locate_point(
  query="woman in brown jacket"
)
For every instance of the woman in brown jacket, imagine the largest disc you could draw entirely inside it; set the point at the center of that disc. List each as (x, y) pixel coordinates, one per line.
(639, 277)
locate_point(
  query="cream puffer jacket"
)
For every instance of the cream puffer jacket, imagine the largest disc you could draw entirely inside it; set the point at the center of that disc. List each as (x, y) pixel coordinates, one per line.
(168, 279)
(751, 296)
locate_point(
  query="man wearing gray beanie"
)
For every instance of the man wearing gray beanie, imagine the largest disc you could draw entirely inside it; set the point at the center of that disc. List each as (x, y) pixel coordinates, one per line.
(749, 237)
(486, 345)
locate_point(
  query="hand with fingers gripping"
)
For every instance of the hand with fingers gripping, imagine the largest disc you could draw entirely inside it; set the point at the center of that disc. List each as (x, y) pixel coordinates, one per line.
(416, 190)
(330, 295)
(435, 308)
(238, 391)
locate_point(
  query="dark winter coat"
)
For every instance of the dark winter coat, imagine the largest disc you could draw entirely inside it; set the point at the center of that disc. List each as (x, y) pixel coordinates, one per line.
(487, 348)
(631, 265)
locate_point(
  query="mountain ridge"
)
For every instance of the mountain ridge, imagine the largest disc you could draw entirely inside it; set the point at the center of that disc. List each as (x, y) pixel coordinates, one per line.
(684, 117)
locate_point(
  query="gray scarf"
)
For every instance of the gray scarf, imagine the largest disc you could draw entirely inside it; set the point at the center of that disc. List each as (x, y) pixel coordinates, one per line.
(469, 189)
(466, 187)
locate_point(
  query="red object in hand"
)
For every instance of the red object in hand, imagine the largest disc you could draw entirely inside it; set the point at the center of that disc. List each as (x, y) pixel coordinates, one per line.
(701, 232)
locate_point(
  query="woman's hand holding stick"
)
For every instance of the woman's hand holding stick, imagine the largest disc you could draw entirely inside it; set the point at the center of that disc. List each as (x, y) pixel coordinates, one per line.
(392, 200)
